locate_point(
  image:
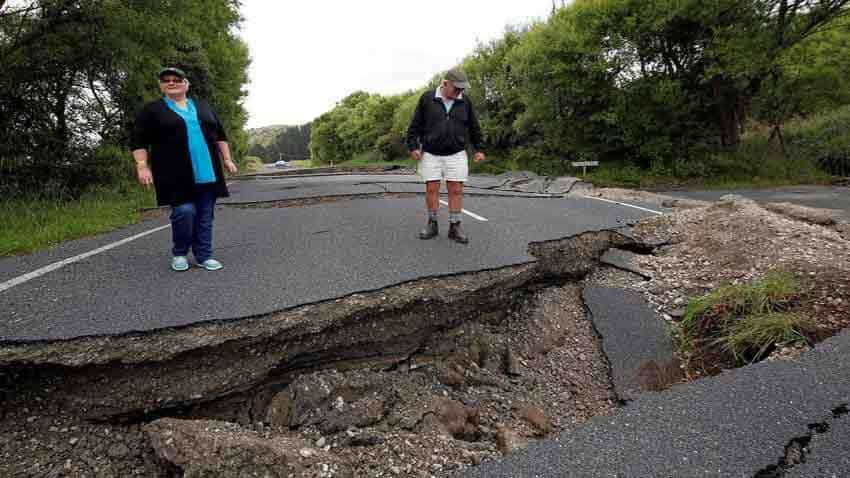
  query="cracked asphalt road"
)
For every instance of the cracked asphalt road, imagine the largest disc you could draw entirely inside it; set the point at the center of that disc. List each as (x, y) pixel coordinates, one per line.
(277, 258)
(733, 425)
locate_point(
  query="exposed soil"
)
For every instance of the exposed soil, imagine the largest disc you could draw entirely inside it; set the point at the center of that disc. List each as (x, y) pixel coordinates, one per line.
(736, 241)
(417, 380)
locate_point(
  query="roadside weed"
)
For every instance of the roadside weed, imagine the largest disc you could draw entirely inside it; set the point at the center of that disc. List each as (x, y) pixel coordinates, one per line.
(751, 338)
(742, 323)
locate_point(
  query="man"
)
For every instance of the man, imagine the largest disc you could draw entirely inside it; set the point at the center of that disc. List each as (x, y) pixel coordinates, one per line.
(437, 140)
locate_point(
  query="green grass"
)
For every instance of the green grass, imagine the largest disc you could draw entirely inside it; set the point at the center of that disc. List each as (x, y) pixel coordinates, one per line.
(27, 225)
(771, 293)
(750, 338)
(495, 164)
(739, 323)
(373, 159)
(751, 167)
(252, 164)
(306, 163)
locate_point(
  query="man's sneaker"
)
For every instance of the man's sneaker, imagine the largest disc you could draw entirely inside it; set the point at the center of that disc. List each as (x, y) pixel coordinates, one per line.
(211, 265)
(179, 263)
(456, 233)
(431, 230)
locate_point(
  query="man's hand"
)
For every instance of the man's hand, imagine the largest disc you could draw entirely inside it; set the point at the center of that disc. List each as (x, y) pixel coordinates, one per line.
(230, 166)
(416, 155)
(144, 174)
(479, 156)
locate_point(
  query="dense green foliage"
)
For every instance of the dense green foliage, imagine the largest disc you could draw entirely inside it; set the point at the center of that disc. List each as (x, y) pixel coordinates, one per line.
(661, 85)
(361, 122)
(272, 143)
(824, 138)
(75, 72)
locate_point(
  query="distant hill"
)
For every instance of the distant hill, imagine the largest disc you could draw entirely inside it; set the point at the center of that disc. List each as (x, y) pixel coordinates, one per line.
(265, 135)
(274, 142)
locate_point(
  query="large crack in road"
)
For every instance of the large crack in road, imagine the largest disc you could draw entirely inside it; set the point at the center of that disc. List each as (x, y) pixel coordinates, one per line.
(413, 380)
(424, 378)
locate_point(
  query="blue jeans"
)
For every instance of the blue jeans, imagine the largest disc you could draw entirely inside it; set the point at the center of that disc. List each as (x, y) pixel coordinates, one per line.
(191, 226)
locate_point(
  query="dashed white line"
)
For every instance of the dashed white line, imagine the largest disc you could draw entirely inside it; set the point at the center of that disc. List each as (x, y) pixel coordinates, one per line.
(468, 213)
(625, 204)
(57, 265)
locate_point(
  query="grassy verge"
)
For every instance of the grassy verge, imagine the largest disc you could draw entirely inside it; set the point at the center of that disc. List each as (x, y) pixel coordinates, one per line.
(495, 164)
(252, 164)
(28, 225)
(302, 163)
(742, 323)
(372, 159)
(790, 173)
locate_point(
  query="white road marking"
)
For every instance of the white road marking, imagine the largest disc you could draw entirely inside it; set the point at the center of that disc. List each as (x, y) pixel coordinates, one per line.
(470, 214)
(625, 204)
(58, 265)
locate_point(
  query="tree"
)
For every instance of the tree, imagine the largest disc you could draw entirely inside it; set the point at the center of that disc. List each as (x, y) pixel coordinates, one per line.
(496, 90)
(76, 71)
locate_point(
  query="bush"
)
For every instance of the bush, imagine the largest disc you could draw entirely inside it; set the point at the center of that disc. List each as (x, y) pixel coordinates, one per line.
(252, 163)
(391, 147)
(824, 139)
(496, 163)
(533, 158)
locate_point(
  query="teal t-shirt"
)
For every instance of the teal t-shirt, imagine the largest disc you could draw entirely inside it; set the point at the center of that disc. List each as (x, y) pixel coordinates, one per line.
(198, 150)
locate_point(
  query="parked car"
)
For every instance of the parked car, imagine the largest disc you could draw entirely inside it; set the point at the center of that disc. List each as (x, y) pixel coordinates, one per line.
(281, 164)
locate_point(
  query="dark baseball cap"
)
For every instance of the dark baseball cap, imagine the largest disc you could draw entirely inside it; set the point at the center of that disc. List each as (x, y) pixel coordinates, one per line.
(170, 70)
(458, 78)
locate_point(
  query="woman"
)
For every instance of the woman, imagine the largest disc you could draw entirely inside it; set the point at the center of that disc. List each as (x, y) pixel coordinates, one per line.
(186, 145)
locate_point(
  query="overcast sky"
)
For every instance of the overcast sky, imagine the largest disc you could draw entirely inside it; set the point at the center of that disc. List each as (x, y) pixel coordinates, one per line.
(307, 55)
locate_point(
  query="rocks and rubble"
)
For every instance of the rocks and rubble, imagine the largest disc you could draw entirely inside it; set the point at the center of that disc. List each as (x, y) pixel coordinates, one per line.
(735, 241)
(476, 387)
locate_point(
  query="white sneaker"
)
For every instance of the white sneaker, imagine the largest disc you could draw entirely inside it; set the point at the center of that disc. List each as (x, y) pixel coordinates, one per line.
(211, 265)
(179, 263)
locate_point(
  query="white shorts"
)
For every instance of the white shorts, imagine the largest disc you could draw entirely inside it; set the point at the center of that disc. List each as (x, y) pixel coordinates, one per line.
(450, 168)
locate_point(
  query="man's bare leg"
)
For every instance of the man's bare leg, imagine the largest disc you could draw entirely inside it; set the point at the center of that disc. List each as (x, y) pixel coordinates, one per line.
(455, 196)
(432, 196)
(456, 233)
(432, 202)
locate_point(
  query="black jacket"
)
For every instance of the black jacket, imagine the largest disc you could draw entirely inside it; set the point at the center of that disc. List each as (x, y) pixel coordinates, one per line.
(441, 133)
(163, 133)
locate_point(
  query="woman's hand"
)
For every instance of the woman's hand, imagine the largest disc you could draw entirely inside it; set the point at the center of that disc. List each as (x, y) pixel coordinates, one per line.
(144, 174)
(416, 155)
(230, 166)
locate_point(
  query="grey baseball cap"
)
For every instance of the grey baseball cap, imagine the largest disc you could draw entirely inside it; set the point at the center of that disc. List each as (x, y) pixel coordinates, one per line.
(170, 70)
(458, 78)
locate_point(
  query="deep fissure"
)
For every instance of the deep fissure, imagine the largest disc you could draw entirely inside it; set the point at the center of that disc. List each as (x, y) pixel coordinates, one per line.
(442, 336)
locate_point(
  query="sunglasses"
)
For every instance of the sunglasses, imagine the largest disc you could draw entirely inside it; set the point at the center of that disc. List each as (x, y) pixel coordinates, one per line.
(171, 80)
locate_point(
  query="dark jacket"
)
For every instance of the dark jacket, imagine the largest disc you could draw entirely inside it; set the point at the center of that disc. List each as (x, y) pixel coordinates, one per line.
(442, 133)
(163, 133)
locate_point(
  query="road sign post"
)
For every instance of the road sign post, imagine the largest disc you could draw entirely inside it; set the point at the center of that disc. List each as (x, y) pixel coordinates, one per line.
(584, 165)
